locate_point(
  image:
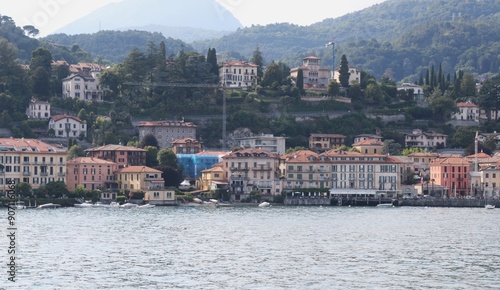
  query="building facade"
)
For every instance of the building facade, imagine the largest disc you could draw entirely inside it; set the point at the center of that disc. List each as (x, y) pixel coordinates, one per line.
(324, 142)
(66, 126)
(252, 170)
(369, 146)
(265, 142)
(83, 82)
(121, 155)
(453, 174)
(147, 180)
(425, 140)
(194, 164)
(313, 75)
(92, 173)
(166, 132)
(187, 146)
(31, 161)
(38, 110)
(354, 75)
(234, 74)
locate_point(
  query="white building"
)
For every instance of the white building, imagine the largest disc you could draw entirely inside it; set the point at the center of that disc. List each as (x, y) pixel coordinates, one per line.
(265, 142)
(235, 74)
(38, 109)
(66, 126)
(421, 139)
(83, 83)
(354, 75)
(467, 112)
(167, 132)
(418, 91)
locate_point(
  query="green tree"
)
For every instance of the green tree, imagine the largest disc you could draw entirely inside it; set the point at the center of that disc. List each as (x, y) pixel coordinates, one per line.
(212, 61)
(149, 140)
(41, 83)
(442, 107)
(333, 88)
(300, 79)
(5, 120)
(41, 58)
(468, 86)
(75, 151)
(57, 189)
(151, 156)
(259, 61)
(23, 189)
(81, 191)
(344, 72)
(167, 157)
(463, 137)
(391, 147)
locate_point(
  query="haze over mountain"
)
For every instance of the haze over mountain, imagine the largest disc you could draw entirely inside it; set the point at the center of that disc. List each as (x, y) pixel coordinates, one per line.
(205, 18)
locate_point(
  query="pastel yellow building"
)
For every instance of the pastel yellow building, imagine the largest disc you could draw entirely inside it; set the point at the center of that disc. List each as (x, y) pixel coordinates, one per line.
(146, 179)
(31, 161)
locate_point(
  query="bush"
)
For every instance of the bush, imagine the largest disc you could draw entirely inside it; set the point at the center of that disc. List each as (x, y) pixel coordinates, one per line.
(121, 198)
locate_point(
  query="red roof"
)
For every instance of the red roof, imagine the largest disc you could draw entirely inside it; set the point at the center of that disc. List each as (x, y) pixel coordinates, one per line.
(60, 117)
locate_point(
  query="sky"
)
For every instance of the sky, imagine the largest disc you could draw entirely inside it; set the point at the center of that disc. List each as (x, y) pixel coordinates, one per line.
(49, 15)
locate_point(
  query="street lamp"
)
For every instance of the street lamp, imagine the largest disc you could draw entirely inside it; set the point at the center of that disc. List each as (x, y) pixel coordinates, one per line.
(333, 56)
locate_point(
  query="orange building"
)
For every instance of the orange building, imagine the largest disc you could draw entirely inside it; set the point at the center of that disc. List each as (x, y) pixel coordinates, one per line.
(452, 173)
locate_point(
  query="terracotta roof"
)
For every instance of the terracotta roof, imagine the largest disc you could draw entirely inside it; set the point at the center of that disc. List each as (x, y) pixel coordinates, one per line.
(165, 124)
(450, 161)
(186, 140)
(239, 63)
(369, 142)
(250, 152)
(466, 104)
(90, 160)
(478, 155)
(60, 117)
(114, 147)
(29, 146)
(137, 169)
(311, 57)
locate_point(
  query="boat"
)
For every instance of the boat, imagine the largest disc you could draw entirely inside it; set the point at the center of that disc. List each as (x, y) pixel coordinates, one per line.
(385, 205)
(489, 206)
(128, 205)
(214, 201)
(264, 204)
(49, 205)
(86, 204)
(147, 205)
(197, 200)
(18, 205)
(185, 185)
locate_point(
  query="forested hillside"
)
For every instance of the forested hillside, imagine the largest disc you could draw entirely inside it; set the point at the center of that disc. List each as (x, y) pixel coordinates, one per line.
(396, 37)
(116, 45)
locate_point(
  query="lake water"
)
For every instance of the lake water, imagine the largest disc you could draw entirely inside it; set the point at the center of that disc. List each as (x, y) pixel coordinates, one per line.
(255, 248)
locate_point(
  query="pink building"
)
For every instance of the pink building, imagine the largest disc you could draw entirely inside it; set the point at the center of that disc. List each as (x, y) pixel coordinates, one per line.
(92, 173)
(452, 173)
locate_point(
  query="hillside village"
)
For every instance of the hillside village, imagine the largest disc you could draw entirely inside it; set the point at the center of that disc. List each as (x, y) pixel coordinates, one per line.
(259, 166)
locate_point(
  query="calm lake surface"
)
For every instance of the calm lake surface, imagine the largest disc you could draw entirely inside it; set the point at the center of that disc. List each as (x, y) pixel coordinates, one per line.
(255, 248)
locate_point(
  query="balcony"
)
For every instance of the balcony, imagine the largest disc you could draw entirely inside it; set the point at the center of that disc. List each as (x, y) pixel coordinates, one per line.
(26, 173)
(262, 168)
(44, 173)
(61, 174)
(238, 169)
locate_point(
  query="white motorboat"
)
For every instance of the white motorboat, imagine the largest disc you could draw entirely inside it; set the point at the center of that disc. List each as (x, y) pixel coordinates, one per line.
(385, 205)
(147, 205)
(197, 200)
(49, 205)
(214, 201)
(86, 204)
(128, 205)
(18, 205)
(489, 206)
(264, 204)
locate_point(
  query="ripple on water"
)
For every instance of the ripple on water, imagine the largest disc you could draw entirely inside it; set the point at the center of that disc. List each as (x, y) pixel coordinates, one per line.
(255, 248)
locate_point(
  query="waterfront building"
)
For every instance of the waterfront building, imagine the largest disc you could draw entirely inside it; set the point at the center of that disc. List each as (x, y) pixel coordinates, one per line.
(213, 178)
(31, 161)
(426, 140)
(67, 126)
(422, 162)
(187, 146)
(194, 164)
(92, 173)
(452, 173)
(119, 154)
(304, 169)
(252, 170)
(418, 91)
(235, 74)
(314, 76)
(369, 146)
(38, 110)
(166, 132)
(83, 82)
(325, 142)
(265, 142)
(147, 180)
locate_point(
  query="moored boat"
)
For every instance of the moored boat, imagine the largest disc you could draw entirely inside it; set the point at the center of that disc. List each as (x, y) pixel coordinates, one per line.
(49, 205)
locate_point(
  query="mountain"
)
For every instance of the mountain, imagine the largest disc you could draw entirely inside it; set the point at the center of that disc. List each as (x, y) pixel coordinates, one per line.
(380, 38)
(207, 16)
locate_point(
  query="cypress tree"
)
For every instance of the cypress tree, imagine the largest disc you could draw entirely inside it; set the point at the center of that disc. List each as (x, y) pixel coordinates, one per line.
(344, 72)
